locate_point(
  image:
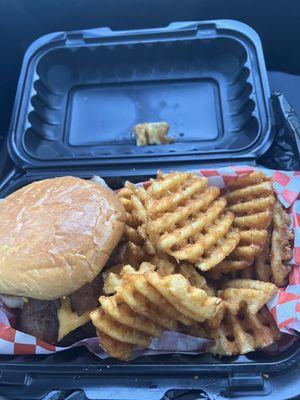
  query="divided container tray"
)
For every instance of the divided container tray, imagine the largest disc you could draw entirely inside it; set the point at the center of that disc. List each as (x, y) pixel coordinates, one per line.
(79, 95)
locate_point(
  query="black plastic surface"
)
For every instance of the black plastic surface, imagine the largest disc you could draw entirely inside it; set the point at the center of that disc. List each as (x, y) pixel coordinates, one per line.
(80, 93)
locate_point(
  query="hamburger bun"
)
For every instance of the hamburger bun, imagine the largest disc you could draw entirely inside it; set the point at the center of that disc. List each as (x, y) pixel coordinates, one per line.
(56, 235)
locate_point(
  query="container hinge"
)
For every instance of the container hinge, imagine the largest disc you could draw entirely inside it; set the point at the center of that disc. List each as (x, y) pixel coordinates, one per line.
(14, 378)
(243, 383)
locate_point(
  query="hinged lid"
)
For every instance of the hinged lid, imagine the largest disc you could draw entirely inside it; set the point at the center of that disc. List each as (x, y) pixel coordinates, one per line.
(80, 94)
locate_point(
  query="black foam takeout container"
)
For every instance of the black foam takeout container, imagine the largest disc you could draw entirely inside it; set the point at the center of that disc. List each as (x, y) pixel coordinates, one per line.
(79, 95)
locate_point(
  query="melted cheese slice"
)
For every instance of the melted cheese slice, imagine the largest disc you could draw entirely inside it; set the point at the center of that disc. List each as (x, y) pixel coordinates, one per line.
(68, 319)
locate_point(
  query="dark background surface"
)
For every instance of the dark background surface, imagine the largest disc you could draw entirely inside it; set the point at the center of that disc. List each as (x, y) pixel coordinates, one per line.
(22, 21)
(276, 21)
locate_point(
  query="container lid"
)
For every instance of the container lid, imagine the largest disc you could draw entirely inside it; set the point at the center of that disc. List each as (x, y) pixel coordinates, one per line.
(80, 94)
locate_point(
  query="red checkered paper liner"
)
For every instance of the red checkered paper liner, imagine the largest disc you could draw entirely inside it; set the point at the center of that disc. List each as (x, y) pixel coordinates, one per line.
(284, 306)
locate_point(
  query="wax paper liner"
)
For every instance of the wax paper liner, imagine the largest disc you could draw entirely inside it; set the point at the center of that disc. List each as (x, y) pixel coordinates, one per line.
(284, 306)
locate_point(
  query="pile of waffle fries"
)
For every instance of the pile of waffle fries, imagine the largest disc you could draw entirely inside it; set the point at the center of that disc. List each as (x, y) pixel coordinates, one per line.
(196, 261)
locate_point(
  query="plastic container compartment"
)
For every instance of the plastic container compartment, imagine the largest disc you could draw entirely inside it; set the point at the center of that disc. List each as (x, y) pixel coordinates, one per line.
(78, 97)
(81, 93)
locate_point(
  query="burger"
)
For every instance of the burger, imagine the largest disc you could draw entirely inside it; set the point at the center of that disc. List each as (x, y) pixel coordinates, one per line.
(56, 236)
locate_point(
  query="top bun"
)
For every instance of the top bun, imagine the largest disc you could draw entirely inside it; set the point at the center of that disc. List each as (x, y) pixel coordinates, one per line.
(56, 235)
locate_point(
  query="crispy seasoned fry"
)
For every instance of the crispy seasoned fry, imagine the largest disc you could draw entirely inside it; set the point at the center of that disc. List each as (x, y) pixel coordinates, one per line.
(149, 292)
(255, 205)
(252, 293)
(169, 220)
(226, 267)
(196, 330)
(244, 332)
(170, 240)
(111, 279)
(134, 254)
(119, 311)
(246, 253)
(266, 287)
(250, 197)
(260, 220)
(187, 219)
(195, 279)
(147, 303)
(253, 236)
(280, 246)
(235, 298)
(131, 253)
(152, 133)
(266, 318)
(192, 302)
(271, 263)
(191, 297)
(143, 306)
(113, 276)
(247, 324)
(115, 348)
(246, 180)
(218, 254)
(176, 227)
(215, 322)
(261, 269)
(133, 199)
(249, 193)
(104, 323)
(164, 264)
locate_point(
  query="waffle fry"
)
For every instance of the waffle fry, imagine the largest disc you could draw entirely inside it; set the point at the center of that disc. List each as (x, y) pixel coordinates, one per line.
(271, 264)
(146, 303)
(115, 348)
(143, 306)
(227, 267)
(119, 311)
(149, 292)
(133, 199)
(250, 198)
(187, 220)
(195, 279)
(246, 292)
(113, 277)
(261, 269)
(280, 246)
(265, 287)
(152, 133)
(191, 302)
(123, 333)
(130, 253)
(165, 265)
(176, 226)
(247, 324)
(244, 333)
(225, 247)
